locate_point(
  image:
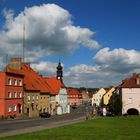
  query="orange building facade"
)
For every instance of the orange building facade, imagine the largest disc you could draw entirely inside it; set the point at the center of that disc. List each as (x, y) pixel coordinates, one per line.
(11, 93)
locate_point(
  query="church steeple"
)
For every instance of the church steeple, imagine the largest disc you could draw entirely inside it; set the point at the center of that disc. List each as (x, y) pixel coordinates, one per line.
(59, 71)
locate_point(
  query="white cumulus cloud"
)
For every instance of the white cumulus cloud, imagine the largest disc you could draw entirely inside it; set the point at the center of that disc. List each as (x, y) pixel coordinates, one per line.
(118, 60)
(49, 30)
(45, 67)
(111, 66)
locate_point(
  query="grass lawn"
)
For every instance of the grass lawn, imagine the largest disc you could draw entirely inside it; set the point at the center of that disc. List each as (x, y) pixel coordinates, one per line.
(108, 128)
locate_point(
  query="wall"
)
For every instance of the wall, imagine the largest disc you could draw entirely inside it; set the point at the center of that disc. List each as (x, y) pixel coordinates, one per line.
(97, 97)
(62, 99)
(107, 96)
(130, 99)
(53, 104)
(44, 102)
(31, 103)
(2, 93)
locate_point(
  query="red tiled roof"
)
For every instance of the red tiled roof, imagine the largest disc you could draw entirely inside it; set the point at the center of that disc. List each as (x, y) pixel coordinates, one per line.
(130, 82)
(55, 84)
(73, 91)
(33, 81)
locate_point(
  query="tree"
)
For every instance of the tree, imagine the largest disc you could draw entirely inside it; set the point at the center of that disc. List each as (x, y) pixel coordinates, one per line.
(115, 104)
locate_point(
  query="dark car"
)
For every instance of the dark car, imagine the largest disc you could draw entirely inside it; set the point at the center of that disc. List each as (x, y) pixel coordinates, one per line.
(74, 107)
(45, 115)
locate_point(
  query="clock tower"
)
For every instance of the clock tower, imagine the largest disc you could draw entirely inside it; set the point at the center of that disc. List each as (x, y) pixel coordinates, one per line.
(59, 71)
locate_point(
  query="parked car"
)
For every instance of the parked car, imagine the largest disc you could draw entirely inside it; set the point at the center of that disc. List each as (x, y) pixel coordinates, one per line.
(74, 107)
(45, 115)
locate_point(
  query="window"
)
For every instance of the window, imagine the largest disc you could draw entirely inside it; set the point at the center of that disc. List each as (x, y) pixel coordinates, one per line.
(9, 81)
(28, 97)
(130, 100)
(15, 107)
(33, 97)
(9, 108)
(36, 97)
(9, 95)
(15, 94)
(15, 82)
(21, 108)
(20, 82)
(20, 94)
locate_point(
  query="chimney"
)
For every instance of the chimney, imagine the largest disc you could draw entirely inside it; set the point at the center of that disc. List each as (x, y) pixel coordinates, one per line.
(15, 63)
(138, 79)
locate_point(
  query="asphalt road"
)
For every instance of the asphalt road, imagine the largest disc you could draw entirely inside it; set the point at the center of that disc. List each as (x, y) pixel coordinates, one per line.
(14, 127)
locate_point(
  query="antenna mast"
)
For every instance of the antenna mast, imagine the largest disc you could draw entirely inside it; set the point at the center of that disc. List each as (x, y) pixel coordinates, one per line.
(23, 40)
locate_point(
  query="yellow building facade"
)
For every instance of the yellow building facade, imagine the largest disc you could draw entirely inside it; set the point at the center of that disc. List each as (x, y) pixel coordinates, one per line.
(44, 103)
(107, 95)
(97, 97)
(31, 103)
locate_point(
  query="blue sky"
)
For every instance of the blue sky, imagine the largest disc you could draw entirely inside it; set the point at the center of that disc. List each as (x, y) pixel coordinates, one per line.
(117, 31)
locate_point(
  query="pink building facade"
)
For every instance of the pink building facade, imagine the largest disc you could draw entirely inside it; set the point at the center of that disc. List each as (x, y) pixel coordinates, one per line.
(74, 97)
(130, 89)
(130, 99)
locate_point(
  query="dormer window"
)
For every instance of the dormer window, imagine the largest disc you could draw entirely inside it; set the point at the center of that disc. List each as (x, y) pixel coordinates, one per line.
(9, 81)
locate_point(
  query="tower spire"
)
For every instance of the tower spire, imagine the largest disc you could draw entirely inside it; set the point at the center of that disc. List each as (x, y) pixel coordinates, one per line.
(59, 71)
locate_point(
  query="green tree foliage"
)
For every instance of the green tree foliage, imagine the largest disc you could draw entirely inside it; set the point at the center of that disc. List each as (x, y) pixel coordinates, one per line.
(115, 104)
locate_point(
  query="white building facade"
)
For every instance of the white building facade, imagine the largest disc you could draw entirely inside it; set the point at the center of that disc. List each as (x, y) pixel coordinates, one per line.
(62, 102)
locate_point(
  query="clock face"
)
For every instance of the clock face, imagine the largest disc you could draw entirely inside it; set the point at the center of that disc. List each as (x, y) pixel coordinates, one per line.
(58, 77)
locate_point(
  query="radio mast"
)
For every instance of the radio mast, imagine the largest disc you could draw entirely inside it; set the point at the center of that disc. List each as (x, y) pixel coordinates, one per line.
(23, 49)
